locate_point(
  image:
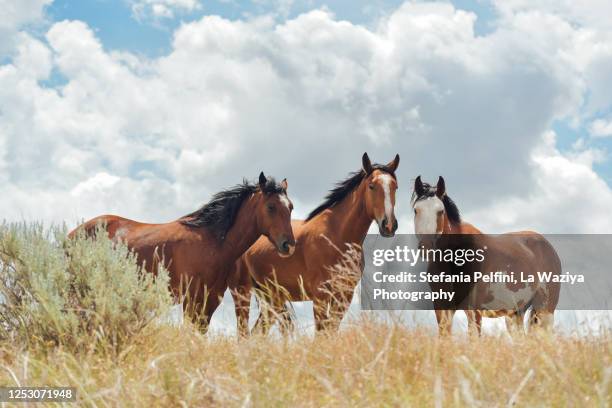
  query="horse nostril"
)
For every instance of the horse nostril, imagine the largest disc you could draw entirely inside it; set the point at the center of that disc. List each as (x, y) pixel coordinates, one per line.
(395, 225)
(384, 222)
(285, 246)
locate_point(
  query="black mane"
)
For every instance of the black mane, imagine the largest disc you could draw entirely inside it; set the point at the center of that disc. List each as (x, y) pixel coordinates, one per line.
(344, 188)
(219, 214)
(452, 212)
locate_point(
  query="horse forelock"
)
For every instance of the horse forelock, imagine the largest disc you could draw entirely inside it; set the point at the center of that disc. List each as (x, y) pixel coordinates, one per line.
(451, 209)
(271, 187)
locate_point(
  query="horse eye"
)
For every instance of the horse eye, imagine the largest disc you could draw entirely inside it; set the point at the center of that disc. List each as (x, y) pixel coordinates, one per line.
(270, 207)
(415, 211)
(371, 186)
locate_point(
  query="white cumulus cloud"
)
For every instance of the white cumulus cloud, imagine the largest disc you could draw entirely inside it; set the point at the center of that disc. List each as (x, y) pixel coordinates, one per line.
(16, 14)
(601, 128)
(157, 9)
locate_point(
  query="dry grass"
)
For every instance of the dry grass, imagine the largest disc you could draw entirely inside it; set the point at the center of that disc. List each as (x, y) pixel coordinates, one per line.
(67, 304)
(366, 364)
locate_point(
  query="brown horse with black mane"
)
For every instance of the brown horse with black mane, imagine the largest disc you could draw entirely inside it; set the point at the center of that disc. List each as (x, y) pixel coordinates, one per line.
(200, 248)
(438, 225)
(343, 219)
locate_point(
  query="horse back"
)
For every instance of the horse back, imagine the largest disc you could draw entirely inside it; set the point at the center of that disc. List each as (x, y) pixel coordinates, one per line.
(467, 228)
(111, 223)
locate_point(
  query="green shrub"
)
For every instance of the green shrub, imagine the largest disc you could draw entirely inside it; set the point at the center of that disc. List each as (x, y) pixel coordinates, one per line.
(81, 294)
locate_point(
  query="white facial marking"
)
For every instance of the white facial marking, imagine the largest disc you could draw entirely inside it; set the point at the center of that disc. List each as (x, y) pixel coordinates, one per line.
(283, 199)
(426, 218)
(385, 180)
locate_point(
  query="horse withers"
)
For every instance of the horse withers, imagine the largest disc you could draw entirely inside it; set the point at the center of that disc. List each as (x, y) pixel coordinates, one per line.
(506, 258)
(340, 222)
(200, 248)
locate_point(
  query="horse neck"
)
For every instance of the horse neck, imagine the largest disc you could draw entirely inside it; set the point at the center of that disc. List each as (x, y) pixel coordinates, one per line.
(348, 220)
(461, 228)
(450, 228)
(244, 232)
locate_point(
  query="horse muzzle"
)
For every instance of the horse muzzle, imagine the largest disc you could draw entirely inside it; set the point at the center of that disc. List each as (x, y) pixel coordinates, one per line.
(387, 229)
(286, 248)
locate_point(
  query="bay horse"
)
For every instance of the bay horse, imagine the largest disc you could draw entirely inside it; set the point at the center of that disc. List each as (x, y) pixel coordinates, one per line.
(342, 220)
(438, 224)
(199, 248)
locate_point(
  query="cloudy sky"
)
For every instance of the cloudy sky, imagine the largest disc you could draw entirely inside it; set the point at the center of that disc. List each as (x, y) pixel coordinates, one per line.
(145, 108)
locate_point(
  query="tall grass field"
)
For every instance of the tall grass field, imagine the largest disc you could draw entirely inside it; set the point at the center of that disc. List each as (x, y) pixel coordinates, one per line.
(81, 314)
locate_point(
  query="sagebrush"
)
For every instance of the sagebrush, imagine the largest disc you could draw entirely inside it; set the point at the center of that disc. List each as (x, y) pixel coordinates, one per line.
(80, 294)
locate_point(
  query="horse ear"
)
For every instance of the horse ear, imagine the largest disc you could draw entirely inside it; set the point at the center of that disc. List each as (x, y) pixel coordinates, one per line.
(441, 187)
(262, 180)
(284, 184)
(366, 163)
(393, 164)
(419, 189)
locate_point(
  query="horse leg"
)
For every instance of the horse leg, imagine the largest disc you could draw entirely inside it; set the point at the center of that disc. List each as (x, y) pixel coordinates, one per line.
(286, 324)
(240, 286)
(262, 325)
(206, 302)
(321, 309)
(509, 323)
(242, 305)
(265, 320)
(339, 307)
(276, 312)
(474, 322)
(541, 319)
(212, 303)
(445, 321)
(543, 310)
(194, 303)
(515, 323)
